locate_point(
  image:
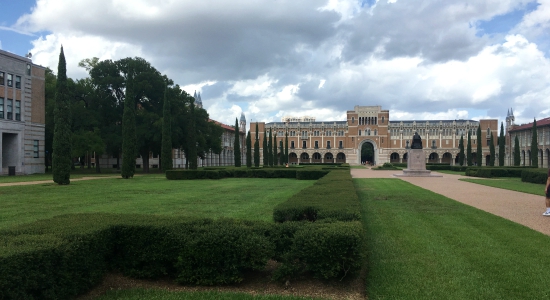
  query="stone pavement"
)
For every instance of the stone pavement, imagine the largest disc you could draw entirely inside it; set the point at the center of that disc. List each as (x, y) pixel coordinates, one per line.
(522, 208)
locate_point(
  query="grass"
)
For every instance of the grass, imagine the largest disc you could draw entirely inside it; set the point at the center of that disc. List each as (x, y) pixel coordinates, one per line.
(249, 198)
(421, 245)
(449, 172)
(513, 184)
(157, 294)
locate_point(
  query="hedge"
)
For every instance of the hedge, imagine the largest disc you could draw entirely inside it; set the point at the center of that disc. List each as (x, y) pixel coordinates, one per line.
(488, 172)
(438, 167)
(65, 256)
(303, 174)
(535, 176)
(331, 197)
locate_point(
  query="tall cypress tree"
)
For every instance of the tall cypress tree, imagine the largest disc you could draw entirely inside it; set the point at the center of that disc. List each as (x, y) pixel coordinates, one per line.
(61, 156)
(461, 148)
(275, 158)
(191, 155)
(248, 150)
(257, 148)
(501, 146)
(270, 149)
(534, 145)
(129, 140)
(479, 155)
(281, 153)
(286, 148)
(265, 152)
(469, 150)
(166, 151)
(517, 157)
(492, 151)
(237, 145)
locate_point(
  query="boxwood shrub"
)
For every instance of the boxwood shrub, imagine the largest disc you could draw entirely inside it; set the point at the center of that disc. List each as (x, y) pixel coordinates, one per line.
(534, 176)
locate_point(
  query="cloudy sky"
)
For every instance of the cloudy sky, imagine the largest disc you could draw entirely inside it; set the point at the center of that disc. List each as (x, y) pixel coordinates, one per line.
(421, 59)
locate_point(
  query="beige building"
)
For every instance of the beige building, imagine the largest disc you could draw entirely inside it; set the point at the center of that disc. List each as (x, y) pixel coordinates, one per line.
(22, 115)
(524, 134)
(371, 127)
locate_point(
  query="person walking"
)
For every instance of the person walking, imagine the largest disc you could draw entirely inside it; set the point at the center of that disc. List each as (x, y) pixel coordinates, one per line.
(547, 192)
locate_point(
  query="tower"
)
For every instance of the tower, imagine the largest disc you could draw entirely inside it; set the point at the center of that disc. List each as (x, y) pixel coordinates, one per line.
(510, 119)
(242, 123)
(198, 100)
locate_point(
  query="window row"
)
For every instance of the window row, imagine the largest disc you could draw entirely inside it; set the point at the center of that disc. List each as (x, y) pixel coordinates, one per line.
(9, 109)
(304, 134)
(316, 144)
(7, 79)
(367, 132)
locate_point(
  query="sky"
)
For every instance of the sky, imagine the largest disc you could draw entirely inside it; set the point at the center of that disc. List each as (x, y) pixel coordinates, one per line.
(420, 59)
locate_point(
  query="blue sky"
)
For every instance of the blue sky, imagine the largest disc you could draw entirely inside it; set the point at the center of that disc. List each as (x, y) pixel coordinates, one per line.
(426, 59)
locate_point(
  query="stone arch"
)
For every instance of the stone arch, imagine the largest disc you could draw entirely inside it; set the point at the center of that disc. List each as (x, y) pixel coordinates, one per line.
(341, 157)
(292, 158)
(363, 142)
(304, 157)
(447, 158)
(433, 158)
(329, 158)
(316, 158)
(394, 157)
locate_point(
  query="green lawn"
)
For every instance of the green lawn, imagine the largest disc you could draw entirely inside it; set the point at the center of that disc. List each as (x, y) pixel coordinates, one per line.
(421, 245)
(157, 294)
(246, 198)
(514, 184)
(449, 172)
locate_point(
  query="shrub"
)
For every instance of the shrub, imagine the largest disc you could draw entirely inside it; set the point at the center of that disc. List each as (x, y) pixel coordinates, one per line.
(535, 176)
(438, 167)
(310, 174)
(459, 168)
(192, 174)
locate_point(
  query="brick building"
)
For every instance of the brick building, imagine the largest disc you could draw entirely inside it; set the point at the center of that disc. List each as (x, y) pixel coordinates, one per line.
(524, 134)
(22, 115)
(312, 141)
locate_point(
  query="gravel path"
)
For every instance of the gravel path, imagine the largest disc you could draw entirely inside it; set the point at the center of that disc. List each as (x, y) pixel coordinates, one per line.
(51, 181)
(522, 208)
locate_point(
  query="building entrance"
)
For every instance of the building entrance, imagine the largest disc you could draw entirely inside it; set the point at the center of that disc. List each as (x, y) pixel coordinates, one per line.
(367, 153)
(9, 151)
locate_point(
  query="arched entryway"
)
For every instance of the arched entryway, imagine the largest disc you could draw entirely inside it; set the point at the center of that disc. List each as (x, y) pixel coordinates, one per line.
(433, 158)
(329, 158)
(292, 158)
(487, 159)
(304, 158)
(340, 158)
(405, 157)
(447, 158)
(316, 158)
(394, 157)
(474, 158)
(367, 152)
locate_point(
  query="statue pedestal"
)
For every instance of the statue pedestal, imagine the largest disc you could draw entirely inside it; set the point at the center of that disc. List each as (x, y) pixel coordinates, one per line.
(416, 165)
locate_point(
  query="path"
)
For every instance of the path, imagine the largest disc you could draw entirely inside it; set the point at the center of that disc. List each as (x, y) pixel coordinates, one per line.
(522, 208)
(51, 181)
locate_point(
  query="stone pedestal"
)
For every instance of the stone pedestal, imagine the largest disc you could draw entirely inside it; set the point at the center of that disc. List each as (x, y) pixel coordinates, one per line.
(416, 165)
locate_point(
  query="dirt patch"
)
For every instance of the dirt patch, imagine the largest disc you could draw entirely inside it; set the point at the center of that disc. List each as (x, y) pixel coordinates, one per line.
(255, 283)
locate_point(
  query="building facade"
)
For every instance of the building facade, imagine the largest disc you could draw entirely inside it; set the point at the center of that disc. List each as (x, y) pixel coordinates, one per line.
(370, 126)
(524, 135)
(22, 115)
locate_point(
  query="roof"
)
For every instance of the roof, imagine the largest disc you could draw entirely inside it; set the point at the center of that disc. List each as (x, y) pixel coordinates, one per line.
(227, 127)
(540, 123)
(314, 123)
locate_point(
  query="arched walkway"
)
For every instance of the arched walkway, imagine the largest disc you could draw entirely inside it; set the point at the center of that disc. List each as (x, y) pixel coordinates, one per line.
(292, 158)
(367, 152)
(316, 158)
(329, 158)
(433, 158)
(447, 158)
(304, 158)
(340, 158)
(394, 157)
(405, 157)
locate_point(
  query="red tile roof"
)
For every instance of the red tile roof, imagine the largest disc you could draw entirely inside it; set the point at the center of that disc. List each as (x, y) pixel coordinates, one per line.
(227, 127)
(540, 123)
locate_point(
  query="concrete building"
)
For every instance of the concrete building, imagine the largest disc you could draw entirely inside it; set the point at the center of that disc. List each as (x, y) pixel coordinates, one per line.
(371, 127)
(22, 115)
(524, 134)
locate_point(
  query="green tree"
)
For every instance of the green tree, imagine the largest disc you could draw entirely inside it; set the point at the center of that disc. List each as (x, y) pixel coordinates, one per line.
(501, 146)
(469, 150)
(461, 148)
(492, 151)
(257, 148)
(479, 154)
(61, 160)
(517, 157)
(275, 158)
(129, 141)
(281, 153)
(166, 151)
(237, 145)
(286, 148)
(534, 145)
(270, 149)
(248, 150)
(191, 153)
(265, 150)
(50, 90)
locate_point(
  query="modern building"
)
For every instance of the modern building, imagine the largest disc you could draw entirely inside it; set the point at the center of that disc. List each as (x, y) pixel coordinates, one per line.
(524, 135)
(22, 115)
(370, 127)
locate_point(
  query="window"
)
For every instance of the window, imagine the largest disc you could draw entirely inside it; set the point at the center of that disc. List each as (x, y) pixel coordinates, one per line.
(10, 80)
(382, 120)
(316, 145)
(28, 69)
(35, 148)
(328, 144)
(359, 131)
(433, 144)
(17, 82)
(352, 120)
(340, 144)
(1, 108)
(2, 78)
(18, 110)
(375, 132)
(10, 109)
(304, 144)
(328, 133)
(292, 145)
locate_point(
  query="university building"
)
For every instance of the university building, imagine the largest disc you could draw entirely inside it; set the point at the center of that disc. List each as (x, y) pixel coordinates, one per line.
(312, 141)
(524, 135)
(22, 115)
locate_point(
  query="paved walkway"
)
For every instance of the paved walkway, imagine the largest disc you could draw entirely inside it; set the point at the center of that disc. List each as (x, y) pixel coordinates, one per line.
(51, 181)
(522, 208)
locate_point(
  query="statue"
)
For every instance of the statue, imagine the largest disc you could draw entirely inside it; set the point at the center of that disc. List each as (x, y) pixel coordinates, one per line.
(417, 141)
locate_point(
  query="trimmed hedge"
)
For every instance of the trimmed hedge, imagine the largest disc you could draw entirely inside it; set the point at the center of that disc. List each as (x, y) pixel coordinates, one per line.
(331, 197)
(65, 256)
(303, 174)
(438, 167)
(535, 176)
(489, 172)
(459, 168)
